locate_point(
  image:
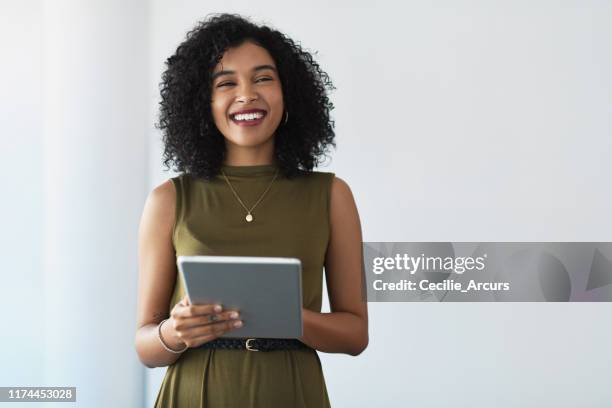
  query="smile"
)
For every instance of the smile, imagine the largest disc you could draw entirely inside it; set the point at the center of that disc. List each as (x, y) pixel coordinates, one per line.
(248, 119)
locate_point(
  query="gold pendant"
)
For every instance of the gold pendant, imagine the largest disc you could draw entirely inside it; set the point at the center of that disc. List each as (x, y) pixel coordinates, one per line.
(249, 217)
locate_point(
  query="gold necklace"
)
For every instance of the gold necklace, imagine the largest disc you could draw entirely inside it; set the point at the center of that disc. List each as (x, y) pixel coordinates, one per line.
(249, 216)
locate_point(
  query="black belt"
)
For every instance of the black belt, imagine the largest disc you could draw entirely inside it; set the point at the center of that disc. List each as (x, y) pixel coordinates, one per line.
(254, 344)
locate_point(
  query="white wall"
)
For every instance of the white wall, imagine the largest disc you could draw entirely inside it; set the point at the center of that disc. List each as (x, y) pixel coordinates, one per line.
(21, 202)
(94, 162)
(74, 183)
(460, 121)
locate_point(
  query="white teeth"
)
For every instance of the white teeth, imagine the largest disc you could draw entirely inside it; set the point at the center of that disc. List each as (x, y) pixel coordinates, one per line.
(249, 116)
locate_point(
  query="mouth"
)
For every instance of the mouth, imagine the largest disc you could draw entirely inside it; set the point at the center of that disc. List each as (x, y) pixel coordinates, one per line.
(251, 117)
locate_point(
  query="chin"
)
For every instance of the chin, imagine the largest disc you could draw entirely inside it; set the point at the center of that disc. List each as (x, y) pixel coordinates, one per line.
(246, 141)
(249, 137)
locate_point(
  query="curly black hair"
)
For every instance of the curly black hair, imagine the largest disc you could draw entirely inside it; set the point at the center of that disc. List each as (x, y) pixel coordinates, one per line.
(192, 142)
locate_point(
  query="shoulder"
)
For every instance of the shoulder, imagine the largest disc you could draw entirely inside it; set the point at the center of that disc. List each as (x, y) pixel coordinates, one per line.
(161, 201)
(341, 194)
(343, 212)
(317, 177)
(163, 193)
(338, 189)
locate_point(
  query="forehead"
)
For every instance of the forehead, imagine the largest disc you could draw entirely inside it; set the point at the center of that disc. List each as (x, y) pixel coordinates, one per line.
(244, 57)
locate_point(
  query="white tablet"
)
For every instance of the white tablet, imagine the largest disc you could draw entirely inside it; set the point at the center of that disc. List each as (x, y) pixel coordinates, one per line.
(267, 291)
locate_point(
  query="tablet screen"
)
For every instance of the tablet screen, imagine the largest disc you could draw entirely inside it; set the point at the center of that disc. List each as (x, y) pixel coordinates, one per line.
(266, 290)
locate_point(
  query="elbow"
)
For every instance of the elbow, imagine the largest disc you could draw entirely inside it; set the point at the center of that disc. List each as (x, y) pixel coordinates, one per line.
(144, 361)
(362, 339)
(140, 357)
(139, 353)
(360, 347)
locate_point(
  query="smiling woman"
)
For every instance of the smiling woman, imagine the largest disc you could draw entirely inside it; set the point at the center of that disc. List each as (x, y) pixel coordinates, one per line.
(224, 63)
(246, 188)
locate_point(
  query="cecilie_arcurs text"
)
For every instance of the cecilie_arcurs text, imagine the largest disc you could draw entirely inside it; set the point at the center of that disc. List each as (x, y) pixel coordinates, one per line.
(444, 285)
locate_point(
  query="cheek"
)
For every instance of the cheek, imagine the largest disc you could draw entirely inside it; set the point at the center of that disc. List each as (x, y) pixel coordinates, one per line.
(218, 111)
(276, 101)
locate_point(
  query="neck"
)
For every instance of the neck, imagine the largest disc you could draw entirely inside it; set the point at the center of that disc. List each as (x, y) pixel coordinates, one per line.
(245, 160)
(236, 163)
(249, 156)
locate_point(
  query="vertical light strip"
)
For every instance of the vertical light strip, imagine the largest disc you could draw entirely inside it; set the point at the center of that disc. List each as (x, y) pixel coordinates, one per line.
(94, 160)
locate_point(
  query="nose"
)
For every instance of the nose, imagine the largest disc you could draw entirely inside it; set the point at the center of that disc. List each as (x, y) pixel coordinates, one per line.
(247, 99)
(246, 94)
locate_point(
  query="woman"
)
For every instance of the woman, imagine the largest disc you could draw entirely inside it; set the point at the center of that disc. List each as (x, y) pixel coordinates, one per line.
(245, 119)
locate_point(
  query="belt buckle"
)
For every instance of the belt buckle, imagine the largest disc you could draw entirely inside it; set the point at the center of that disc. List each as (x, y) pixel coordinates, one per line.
(249, 347)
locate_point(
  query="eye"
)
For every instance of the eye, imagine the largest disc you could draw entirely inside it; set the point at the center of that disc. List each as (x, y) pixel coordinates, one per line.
(231, 83)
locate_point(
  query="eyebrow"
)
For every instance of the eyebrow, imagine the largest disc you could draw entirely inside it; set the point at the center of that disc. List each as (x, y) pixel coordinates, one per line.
(257, 68)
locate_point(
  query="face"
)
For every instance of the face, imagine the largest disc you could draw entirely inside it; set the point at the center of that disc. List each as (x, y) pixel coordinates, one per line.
(244, 79)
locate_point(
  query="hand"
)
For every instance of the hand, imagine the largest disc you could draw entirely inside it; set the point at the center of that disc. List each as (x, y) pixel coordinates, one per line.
(192, 326)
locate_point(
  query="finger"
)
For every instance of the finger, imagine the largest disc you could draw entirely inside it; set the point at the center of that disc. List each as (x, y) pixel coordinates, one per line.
(185, 323)
(213, 328)
(227, 315)
(198, 341)
(204, 309)
(196, 310)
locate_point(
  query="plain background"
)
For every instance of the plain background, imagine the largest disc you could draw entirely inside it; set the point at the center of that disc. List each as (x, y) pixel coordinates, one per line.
(455, 121)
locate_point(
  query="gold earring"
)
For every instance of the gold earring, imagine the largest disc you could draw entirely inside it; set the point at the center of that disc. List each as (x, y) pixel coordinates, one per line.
(286, 117)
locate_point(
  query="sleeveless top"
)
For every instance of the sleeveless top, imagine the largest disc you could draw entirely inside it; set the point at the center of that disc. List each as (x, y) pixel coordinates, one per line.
(292, 220)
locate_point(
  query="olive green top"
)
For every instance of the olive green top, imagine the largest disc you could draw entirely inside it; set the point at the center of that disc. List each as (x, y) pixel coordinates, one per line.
(292, 220)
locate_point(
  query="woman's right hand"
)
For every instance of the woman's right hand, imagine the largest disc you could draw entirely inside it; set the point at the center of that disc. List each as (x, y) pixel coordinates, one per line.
(195, 325)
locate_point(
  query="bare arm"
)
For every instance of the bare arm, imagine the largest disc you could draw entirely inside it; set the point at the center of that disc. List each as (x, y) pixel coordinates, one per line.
(345, 329)
(188, 325)
(156, 277)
